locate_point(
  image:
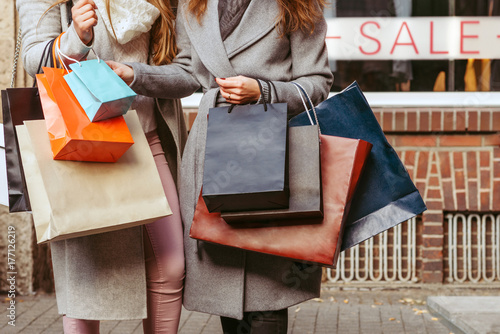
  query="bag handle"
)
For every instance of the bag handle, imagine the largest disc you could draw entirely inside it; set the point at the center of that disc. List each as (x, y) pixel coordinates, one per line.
(231, 107)
(302, 93)
(59, 53)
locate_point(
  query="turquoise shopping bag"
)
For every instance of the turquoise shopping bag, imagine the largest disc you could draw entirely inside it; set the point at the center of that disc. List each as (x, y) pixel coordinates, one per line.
(100, 92)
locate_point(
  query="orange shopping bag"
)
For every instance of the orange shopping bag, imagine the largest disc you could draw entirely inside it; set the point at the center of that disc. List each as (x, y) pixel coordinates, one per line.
(72, 135)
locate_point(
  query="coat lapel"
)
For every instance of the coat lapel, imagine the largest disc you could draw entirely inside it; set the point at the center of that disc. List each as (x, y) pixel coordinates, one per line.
(207, 41)
(258, 20)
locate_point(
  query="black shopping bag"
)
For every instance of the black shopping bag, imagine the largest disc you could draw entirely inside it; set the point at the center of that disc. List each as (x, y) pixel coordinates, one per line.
(386, 196)
(304, 182)
(245, 158)
(18, 105)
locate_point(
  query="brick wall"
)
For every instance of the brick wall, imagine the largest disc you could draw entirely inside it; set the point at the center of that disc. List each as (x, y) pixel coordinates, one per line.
(453, 156)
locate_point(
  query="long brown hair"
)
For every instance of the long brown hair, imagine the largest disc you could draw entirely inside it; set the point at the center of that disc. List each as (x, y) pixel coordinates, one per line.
(163, 43)
(294, 14)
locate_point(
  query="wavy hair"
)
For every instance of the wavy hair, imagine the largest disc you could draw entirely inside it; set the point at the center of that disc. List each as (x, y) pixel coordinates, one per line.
(294, 14)
(163, 45)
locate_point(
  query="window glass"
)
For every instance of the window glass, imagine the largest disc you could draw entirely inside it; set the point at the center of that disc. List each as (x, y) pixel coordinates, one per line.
(414, 45)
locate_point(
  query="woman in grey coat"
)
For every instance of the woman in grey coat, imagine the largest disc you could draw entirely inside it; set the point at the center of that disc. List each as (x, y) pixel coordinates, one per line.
(222, 44)
(127, 274)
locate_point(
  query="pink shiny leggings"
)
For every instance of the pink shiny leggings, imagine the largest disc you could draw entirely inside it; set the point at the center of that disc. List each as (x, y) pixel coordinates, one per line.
(164, 254)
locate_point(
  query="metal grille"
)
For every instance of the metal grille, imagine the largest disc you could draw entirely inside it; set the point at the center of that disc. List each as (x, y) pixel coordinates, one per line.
(388, 257)
(473, 248)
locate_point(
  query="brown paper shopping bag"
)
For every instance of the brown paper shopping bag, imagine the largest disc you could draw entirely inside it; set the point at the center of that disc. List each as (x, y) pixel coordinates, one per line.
(71, 199)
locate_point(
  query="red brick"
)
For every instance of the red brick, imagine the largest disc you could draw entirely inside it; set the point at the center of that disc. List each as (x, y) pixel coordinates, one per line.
(391, 139)
(400, 120)
(485, 117)
(496, 120)
(459, 179)
(378, 116)
(411, 121)
(432, 265)
(432, 254)
(460, 125)
(434, 230)
(409, 159)
(484, 157)
(424, 121)
(433, 242)
(444, 160)
(485, 201)
(432, 277)
(448, 123)
(461, 201)
(460, 140)
(473, 121)
(434, 181)
(421, 186)
(492, 140)
(423, 161)
(434, 194)
(458, 160)
(485, 179)
(472, 171)
(434, 169)
(449, 196)
(387, 121)
(433, 218)
(472, 195)
(434, 204)
(496, 196)
(411, 140)
(436, 120)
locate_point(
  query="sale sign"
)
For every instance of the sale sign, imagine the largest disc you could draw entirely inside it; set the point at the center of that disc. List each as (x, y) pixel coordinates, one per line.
(454, 37)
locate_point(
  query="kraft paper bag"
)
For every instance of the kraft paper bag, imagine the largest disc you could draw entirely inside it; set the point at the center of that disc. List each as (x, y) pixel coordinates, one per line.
(71, 199)
(101, 93)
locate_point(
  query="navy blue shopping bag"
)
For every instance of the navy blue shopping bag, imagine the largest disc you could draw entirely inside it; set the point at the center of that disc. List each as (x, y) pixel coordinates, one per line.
(386, 196)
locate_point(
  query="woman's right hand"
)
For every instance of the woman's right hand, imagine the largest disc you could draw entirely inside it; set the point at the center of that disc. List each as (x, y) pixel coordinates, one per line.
(84, 19)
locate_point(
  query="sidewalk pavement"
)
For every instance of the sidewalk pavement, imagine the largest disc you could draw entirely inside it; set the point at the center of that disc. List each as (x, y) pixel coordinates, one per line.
(389, 309)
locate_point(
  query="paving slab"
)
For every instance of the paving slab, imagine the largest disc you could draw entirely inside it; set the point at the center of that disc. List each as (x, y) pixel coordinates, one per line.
(468, 314)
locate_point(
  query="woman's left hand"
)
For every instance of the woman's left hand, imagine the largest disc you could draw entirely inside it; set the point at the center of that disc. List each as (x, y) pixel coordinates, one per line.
(239, 90)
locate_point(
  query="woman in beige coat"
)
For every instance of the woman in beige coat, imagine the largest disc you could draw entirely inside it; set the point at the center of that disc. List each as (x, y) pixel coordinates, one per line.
(135, 273)
(222, 44)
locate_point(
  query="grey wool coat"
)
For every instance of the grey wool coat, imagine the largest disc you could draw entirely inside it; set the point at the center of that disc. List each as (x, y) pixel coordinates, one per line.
(99, 277)
(221, 280)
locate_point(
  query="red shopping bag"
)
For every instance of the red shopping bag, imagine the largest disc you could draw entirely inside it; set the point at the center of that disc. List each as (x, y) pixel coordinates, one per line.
(309, 240)
(72, 135)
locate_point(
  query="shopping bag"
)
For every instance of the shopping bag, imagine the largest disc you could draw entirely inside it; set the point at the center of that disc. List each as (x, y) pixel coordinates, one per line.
(386, 196)
(18, 104)
(304, 182)
(313, 241)
(100, 92)
(71, 199)
(245, 158)
(72, 135)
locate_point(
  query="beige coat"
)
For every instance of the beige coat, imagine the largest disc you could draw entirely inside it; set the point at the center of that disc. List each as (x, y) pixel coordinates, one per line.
(222, 280)
(102, 276)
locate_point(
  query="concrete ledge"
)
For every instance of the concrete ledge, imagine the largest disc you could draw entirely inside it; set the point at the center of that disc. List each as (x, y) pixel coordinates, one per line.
(471, 315)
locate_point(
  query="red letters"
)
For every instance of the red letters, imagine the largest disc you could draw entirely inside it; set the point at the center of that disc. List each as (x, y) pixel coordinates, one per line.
(432, 42)
(411, 37)
(379, 45)
(462, 37)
